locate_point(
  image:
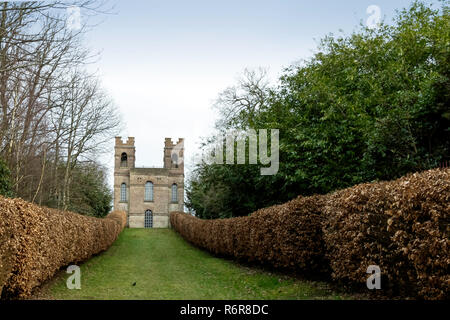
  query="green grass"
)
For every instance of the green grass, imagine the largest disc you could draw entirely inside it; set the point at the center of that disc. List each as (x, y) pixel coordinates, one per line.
(164, 266)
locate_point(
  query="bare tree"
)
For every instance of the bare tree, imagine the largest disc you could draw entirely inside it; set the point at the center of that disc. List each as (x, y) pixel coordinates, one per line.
(52, 113)
(87, 121)
(238, 104)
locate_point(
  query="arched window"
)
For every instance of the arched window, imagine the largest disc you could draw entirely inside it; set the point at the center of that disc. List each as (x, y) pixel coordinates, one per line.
(148, 191)
(124, 160)
(148, 222)
(123, 192)
(174, 193)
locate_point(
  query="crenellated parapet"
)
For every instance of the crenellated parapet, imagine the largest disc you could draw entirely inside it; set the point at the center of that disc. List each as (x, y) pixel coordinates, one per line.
(174, 155)
(129, 142)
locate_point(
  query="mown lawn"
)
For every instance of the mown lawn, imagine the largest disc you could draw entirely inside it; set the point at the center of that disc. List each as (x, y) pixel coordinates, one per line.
(164, 266)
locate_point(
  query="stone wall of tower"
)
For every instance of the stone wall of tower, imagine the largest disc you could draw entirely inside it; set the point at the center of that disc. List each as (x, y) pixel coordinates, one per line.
(122, 173)
(174, 155)
(162, 179)
(161, 206)
(124, 147)
(174, 162)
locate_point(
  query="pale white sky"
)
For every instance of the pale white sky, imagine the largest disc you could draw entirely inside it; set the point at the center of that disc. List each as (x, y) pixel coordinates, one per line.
(165, 62)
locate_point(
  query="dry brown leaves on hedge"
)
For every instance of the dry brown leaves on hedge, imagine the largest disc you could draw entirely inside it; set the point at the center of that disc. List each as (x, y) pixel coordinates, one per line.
(36, 242)
(402, 226)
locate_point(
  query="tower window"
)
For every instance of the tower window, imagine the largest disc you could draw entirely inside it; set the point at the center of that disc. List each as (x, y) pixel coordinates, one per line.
(174, 193)
(124, 160)
(123, 192)
(148, 222)
(148, 191)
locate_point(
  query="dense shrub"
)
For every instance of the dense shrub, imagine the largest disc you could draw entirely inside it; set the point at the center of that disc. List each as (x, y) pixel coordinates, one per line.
(285, 236)
(35, 242)
(402, 226)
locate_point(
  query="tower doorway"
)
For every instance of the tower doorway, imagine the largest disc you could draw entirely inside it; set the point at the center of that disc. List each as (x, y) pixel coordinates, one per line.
(148, 223)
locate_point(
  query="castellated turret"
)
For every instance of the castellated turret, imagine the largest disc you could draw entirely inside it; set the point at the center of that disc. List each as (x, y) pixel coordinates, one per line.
(174, 155)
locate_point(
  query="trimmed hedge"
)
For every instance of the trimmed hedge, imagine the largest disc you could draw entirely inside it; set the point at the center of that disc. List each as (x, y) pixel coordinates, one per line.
(35, 242)
(285, 236)
(402, 226)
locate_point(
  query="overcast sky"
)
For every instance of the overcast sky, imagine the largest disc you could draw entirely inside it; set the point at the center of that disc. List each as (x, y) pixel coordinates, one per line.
(164, 62)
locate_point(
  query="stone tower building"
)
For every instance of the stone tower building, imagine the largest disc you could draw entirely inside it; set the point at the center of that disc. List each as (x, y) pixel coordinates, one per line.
(148, 195)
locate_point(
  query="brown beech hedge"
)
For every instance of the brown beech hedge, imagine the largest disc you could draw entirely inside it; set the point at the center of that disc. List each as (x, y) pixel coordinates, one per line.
(35, 242)
(402, 226)
(284, 236)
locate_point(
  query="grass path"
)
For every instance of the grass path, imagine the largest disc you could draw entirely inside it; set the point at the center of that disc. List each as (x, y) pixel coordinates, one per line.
(164, 266)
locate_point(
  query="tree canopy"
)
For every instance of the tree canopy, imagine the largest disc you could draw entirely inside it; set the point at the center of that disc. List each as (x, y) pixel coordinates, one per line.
(372, 105)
